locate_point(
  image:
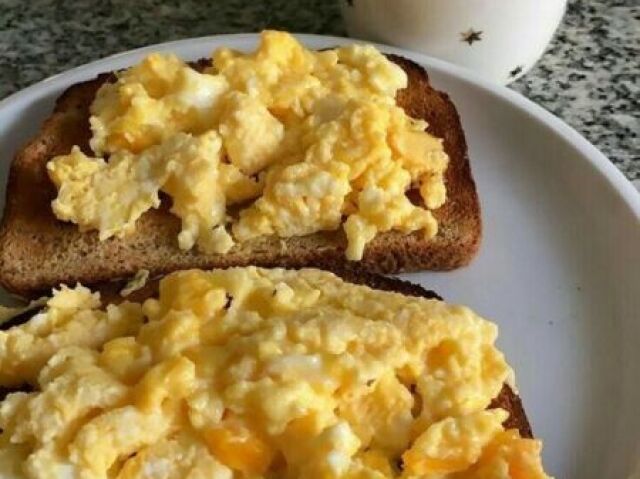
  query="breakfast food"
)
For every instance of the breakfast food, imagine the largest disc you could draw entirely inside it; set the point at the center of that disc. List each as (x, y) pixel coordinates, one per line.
(251, 372)
(284, 157)
(294, 139)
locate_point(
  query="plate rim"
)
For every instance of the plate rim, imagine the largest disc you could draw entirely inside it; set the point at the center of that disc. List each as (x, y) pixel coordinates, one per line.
(593, 157)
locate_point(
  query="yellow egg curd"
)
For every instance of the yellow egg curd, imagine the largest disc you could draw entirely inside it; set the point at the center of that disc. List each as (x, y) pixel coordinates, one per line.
(300, 141)
(257, 373)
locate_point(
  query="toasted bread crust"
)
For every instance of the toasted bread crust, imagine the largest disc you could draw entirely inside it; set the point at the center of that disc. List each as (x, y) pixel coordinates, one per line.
(507, 399)
(38, 251)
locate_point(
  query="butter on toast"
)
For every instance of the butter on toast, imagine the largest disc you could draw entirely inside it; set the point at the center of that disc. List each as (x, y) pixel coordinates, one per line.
(37, 250)
(507, 399)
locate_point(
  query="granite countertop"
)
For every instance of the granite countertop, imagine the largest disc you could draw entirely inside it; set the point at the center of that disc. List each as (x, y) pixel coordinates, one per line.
(589, 76)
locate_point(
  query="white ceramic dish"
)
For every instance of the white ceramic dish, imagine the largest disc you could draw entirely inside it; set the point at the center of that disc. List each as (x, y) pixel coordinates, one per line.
(559, 268)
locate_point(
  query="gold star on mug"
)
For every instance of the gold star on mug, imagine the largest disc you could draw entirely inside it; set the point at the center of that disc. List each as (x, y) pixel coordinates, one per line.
(471, 36)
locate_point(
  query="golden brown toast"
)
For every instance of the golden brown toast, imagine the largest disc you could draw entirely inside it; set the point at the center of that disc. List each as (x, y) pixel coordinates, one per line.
(507, 399)
(38, 251)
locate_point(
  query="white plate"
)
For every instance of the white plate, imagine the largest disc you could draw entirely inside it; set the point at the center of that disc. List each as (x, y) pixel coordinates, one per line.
(559, 268)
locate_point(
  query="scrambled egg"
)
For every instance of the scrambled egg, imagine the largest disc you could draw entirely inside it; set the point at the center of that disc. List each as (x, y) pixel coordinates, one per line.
(303, 141)
(249, 373)
(72, 317)
(136, 283)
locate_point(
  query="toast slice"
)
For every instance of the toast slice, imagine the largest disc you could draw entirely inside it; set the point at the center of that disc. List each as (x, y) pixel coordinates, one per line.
(37, 250)
(507, 399)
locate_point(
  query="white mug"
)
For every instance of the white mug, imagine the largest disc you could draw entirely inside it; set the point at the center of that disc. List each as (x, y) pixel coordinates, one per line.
(499, 39)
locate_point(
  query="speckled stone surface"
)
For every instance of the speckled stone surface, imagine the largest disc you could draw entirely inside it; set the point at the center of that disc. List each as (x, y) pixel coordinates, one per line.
(590, 75)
